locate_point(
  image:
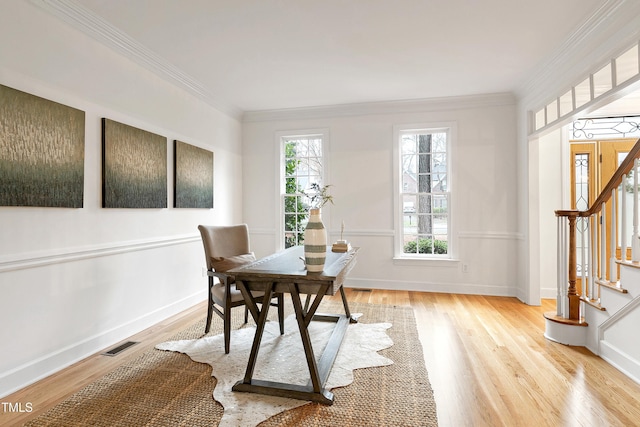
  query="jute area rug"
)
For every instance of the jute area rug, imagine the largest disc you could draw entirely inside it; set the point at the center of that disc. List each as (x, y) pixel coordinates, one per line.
(163, 388)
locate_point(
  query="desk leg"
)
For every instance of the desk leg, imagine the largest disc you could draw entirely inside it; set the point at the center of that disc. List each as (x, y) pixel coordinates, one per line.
(346, 306)
(260, 323)
(249, 302)
(306, 339)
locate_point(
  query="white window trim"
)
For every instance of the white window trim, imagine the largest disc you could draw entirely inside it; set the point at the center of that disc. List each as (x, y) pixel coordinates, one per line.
(398, 215)
(324, 134)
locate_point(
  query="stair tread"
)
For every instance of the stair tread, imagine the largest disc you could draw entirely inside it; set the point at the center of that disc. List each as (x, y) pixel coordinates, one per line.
(614, 286)
(634, 264)
(593, 303)
(552, 315)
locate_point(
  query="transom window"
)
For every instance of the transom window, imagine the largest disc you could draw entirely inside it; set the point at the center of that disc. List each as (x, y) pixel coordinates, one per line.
(423, 226)
(303, 165)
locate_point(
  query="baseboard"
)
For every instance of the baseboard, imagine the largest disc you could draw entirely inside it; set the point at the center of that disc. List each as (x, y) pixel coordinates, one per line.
(620, 360)
(447, 288)
(45, 366)
(548, 293)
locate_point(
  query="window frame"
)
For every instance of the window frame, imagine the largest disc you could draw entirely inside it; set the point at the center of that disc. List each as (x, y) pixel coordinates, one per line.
(280, 138)
(398, 207)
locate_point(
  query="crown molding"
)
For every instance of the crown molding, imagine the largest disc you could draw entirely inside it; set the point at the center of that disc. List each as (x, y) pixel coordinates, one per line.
(87, 22)
(597, 37)
(384, 107)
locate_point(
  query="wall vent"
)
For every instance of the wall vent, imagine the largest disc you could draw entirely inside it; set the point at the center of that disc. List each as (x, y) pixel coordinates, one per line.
(119, 349)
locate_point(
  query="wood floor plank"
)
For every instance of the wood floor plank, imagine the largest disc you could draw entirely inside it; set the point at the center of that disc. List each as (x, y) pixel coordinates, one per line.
(488, 362)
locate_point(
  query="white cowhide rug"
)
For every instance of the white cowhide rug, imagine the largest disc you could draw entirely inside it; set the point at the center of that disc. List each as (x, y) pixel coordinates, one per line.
(281, 358)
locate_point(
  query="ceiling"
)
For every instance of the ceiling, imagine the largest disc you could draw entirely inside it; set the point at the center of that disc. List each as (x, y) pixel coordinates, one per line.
(276, 54)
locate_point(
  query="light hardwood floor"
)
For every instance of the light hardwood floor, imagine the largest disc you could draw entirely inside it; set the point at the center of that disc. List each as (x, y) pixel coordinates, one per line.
(488, 363)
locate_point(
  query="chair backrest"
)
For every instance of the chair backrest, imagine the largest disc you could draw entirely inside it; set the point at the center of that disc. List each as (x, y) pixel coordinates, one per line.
(224, 241)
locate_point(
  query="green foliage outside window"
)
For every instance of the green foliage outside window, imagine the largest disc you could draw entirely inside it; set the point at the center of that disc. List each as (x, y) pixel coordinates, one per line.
(294, 208)
(426, 246)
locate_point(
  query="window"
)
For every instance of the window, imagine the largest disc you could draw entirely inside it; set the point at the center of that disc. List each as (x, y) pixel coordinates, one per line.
(423, 192)
(302, 165)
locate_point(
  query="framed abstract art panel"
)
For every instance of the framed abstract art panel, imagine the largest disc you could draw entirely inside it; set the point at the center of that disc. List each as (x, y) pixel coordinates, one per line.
(134, 167)
(41, 151)
(193, 172)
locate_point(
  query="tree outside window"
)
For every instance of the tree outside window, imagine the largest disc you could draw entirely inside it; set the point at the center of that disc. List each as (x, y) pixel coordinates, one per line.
(424, 194)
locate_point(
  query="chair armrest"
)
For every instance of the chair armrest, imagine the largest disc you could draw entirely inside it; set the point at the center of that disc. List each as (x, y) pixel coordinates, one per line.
(219, 275)
(224, 279)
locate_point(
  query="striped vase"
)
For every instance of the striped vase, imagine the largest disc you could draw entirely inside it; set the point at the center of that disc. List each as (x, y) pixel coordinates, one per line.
(315, 242)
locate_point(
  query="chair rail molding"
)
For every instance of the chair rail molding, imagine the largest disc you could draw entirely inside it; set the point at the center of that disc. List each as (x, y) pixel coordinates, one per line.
(490, 235)
(60, 255)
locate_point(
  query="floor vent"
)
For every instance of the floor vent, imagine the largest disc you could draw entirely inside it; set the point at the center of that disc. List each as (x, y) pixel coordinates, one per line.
(119, 349)
(361, 290)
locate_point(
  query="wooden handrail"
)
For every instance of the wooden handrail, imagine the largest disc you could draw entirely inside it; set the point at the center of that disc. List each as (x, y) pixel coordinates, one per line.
(616, 179)
(568, 212)
(614, 182)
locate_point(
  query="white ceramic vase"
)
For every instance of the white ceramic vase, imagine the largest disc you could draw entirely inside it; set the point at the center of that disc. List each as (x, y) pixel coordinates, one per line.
(315, 242)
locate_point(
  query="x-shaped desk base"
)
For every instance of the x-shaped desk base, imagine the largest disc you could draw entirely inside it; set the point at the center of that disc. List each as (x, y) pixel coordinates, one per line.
(319, 372)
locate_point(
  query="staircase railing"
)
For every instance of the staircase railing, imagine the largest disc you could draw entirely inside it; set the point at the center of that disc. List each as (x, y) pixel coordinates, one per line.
(583, 236)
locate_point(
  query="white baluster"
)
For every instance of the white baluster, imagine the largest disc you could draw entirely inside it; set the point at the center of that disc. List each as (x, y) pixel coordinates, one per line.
(623, 219)
(565, 272)
(635, 238)
(613, 241)
(565, 269)
(583, 255)
(592, 247)
(603, 242)
(561, 263)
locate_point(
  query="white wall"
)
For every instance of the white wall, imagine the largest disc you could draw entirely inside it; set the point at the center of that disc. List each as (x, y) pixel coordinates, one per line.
(75, 281)
(550, 178)
(361, 173)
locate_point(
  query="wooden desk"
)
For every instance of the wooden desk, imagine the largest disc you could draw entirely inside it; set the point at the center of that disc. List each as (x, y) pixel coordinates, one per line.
(285, 272)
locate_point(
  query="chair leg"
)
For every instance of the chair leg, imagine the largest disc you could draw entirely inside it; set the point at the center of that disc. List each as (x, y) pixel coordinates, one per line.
(227, 330)
(280, 297)
(246, 314)
(207, 326)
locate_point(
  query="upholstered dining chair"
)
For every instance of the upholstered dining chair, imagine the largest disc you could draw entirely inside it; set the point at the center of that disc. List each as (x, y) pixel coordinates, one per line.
(227, 247)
